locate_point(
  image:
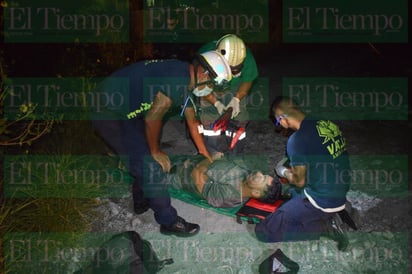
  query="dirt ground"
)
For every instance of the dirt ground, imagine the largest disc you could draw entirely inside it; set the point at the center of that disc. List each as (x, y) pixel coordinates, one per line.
(383, 214)
(380, 245)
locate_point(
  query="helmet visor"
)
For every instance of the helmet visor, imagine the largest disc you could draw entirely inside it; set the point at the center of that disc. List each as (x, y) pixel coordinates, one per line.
(202, 61)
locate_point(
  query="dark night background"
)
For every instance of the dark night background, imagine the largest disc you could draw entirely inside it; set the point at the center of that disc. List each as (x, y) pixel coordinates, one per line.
(275, 60)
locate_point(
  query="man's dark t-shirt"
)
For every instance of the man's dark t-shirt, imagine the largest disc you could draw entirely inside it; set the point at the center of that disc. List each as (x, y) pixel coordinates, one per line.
(319, 145)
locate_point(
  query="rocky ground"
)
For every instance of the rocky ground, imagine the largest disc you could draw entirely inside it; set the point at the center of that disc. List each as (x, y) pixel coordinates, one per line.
(379, 246)
(383, 213)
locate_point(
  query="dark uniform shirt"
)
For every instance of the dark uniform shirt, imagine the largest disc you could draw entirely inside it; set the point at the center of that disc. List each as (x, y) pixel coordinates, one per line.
(320, 146)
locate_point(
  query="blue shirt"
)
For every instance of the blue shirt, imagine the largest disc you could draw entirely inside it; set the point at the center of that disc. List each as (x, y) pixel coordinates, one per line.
(139, 82)
(320, 146)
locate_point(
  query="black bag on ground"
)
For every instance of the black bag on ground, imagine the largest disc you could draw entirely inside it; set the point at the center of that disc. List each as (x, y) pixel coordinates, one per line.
(278, 262)
(134, 256)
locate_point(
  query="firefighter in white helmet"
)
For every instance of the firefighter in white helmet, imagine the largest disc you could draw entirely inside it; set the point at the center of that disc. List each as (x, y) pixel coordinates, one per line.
(217, 68)
(233, 94)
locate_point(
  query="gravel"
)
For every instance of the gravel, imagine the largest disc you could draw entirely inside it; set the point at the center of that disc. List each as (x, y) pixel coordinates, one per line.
(380, 245)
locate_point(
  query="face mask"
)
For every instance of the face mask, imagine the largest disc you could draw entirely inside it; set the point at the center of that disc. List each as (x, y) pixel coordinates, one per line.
(236, 70)
(237, 75)
(203, 92)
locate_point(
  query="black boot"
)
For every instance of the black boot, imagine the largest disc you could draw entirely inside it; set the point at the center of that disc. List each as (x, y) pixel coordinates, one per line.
(140, 203)
(141, 207)
(180, 228)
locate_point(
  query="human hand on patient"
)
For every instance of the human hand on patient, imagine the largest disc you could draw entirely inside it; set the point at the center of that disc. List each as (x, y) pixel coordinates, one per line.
(219, 106)
(163, 160)
(282, 167)
(235, 105)
(217, 155)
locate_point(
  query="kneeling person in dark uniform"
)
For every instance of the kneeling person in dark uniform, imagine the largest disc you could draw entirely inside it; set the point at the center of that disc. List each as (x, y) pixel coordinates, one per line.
(151, 90)
(317, 152)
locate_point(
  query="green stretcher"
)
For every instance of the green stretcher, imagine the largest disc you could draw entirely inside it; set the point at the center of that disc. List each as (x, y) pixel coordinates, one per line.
(251, 211)
(194, 200)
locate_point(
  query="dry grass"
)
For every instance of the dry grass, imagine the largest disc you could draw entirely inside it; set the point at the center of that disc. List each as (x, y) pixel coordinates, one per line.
(44, 215)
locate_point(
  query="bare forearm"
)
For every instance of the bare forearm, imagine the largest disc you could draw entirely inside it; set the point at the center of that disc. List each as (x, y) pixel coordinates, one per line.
(199, 174)
(243, 90)
(154, 120)
(198, 138)
(202, 166)
(193, 124)
(153, 129)
(211, 98)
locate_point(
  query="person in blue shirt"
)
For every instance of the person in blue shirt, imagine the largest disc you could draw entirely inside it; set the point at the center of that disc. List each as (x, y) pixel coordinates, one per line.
(152, 90)
(318, 168)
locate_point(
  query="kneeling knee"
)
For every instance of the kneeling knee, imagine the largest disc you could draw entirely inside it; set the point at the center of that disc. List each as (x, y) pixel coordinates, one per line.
(264, 235)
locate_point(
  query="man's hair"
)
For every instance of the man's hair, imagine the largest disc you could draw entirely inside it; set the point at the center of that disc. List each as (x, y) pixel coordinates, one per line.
(283, 103)
(272, 193)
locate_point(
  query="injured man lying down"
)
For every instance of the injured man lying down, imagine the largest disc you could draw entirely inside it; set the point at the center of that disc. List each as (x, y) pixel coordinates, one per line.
(227, 182)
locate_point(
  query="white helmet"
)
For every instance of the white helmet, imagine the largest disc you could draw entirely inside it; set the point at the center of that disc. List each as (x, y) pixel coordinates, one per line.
(216, 65)
(232, 48)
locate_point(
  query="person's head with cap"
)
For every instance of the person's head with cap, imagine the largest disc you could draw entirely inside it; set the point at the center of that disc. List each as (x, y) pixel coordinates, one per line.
(234, 50)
